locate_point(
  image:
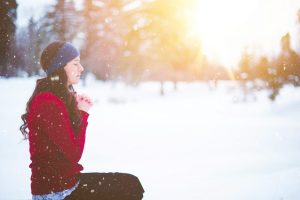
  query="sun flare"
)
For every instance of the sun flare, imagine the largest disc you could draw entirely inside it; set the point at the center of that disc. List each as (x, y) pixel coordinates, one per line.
(227, 28)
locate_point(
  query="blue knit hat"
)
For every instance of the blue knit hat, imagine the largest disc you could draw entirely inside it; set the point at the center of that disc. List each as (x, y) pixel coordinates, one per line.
(65, 54)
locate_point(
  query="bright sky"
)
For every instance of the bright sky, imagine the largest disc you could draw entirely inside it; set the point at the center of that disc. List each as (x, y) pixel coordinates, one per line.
(28, 8)
(226, 27)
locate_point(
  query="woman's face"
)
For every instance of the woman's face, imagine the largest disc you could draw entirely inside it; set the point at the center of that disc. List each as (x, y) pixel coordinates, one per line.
(73, 70)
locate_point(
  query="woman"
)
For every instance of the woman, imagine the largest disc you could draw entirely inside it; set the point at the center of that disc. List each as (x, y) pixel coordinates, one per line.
(56, 118)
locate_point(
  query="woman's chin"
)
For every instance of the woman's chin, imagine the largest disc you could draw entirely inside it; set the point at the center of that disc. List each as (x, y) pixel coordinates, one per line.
(76, 80)
(73, 82)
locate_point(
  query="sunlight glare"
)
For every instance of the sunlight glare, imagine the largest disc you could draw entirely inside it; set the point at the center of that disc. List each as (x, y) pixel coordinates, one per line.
(227, 28)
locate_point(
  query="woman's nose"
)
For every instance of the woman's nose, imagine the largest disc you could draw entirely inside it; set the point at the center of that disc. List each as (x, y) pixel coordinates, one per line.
(81, 68)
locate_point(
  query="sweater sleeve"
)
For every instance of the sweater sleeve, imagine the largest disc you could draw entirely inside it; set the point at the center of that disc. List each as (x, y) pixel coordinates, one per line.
(83, 125)
(55, 122)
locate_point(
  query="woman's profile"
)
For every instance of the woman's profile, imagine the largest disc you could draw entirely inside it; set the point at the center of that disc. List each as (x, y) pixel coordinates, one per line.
(55, 123)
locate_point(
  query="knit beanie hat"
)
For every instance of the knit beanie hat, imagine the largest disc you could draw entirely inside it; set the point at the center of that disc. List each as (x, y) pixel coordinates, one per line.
(56, 55)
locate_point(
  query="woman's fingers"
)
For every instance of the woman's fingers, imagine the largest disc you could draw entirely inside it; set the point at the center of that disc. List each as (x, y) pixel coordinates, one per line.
(84, 98)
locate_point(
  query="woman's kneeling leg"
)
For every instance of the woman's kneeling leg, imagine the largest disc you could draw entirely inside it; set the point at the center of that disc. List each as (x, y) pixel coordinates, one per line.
(107, 186)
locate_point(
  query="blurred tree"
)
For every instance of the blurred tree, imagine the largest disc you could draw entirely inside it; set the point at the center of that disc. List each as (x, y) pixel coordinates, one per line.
(101, 26)
(245, 67)
(245, 74)
(133, 62)
(184, 59)
(298, 21)
(61, 21)
(30, 41)
(156, 44)
(288, 62)
(286, 68)
(261, 69)
(89, 16)
(8, 16)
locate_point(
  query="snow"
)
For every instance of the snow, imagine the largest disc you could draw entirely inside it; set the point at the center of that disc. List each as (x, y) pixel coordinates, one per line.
(194, 143)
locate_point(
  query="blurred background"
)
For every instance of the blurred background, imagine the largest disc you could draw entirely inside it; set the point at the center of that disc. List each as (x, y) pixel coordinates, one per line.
(198, 98)
(256, 43)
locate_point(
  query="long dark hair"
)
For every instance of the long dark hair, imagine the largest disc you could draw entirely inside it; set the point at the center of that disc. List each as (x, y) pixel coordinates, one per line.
(56, 83)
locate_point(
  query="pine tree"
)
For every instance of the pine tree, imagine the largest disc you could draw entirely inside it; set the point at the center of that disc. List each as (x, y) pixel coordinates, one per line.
(33, 47)
(90, 15)
(157, 33)
(101, 30)
(61, 21)
(8, 16)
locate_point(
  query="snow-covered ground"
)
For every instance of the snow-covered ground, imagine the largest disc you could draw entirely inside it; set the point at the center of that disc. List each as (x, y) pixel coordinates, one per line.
(190, 144)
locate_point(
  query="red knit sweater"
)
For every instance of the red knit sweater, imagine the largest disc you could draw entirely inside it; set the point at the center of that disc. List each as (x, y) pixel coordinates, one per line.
(54, 148)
